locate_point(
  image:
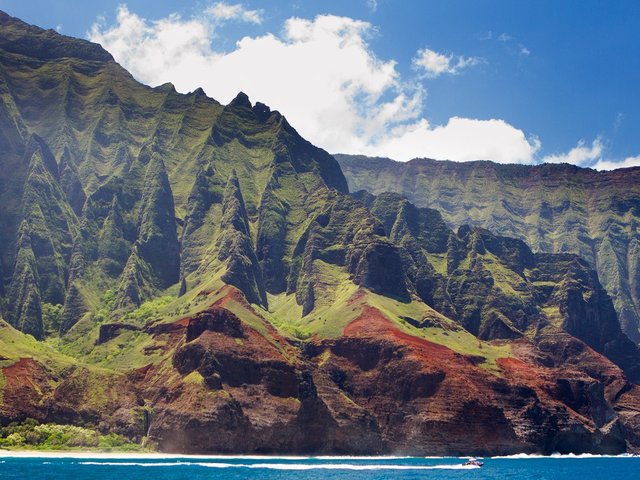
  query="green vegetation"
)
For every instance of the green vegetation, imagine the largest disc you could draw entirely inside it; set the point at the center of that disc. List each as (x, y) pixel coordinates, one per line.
(32, 435)
(149, 310)
(52, 318)
(15, 345)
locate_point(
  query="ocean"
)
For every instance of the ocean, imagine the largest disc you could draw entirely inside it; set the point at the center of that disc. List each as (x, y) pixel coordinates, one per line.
(36, 466)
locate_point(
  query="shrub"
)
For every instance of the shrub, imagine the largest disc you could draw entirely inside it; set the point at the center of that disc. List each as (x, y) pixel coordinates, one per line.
(53, 436)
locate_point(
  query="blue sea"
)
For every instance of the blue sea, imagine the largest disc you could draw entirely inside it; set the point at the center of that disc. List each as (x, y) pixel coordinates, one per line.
(102, 467)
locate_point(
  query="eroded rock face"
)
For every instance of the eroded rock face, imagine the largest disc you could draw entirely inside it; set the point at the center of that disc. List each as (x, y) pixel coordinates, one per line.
(553, 208)
(109, 331)
(496, 287)
(231, 389)
(215, 320)
(379, 390)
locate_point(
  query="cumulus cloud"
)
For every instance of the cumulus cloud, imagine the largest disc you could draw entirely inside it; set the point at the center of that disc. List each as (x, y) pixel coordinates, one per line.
(611, 165)
(434, 64)
(461, 139)
(320, 73)
(592, 156)
(582, 154)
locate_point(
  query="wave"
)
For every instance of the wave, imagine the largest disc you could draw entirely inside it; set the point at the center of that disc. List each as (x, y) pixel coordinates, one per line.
(139, 456)
(361, 457)
(177, 456)
(528, 456)
(287, 466)
(191, 458)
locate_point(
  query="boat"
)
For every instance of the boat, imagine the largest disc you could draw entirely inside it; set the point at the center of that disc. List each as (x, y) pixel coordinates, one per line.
(473, 462)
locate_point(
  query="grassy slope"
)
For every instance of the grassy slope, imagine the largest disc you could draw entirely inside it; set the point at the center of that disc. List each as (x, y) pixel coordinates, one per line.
(15, 345)
(341, 302)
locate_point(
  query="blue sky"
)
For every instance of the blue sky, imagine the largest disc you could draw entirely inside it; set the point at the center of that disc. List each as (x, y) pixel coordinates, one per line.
(521, 82)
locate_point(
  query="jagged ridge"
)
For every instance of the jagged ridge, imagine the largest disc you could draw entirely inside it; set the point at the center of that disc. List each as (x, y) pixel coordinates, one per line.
(554, 208)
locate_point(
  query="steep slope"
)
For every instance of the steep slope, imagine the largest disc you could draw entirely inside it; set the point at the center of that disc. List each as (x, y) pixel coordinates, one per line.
(40, 383)
(223, 293)
(497, 288)
(133, 153)
(553, 208)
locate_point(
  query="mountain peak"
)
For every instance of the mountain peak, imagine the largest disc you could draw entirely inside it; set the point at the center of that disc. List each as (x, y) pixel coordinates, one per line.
(23, 39)
(241, 100)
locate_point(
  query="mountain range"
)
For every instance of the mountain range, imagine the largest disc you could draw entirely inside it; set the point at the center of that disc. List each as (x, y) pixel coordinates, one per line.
(199, 277)
(553, 208)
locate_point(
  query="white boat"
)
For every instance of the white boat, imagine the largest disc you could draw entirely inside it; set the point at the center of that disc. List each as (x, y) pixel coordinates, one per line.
(473, 462)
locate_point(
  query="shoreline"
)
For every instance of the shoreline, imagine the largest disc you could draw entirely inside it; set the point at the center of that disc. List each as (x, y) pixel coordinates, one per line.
(159, 455)
(176, 456)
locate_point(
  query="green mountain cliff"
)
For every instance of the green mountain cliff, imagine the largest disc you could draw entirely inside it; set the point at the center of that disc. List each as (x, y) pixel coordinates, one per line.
(553, 208)
(197, 276)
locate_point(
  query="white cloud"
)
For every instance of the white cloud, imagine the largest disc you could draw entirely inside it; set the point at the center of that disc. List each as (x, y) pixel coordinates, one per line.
(434, 64)
(581, 154)
(524, 51)
(226, 11)
(591, 156)
(461, 139)
(505, 37)
(320, 73)
(611, 165)
(372, 4)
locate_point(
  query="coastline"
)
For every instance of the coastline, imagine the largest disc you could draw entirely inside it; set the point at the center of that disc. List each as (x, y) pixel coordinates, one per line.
(178, 456)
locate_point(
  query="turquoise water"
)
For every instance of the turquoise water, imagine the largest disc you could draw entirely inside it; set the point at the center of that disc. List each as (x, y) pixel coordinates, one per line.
(291, 468)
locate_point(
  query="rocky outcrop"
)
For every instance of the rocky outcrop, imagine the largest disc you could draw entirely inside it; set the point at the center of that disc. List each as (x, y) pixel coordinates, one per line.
(346, 235)
(21, 38)
(24, 311)
(74, 308)
(375, 390)
(235, 246)
(43, 242)
(134, 285)
(202, 197)
(273, 225)
(157, 240)
(109, 331)
(214, 320)
(70, 182)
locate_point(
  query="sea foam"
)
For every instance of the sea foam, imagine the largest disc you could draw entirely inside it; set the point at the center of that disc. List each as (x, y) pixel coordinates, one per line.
(530, 456)
(286, 466)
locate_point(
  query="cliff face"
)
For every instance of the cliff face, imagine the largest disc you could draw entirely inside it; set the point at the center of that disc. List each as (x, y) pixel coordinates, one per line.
(217, 283)
(553, 208)
(100, 168)
(226, 387)
(497, 288)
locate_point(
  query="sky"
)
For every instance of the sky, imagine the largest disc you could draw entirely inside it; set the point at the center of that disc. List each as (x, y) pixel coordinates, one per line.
(510, 81)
